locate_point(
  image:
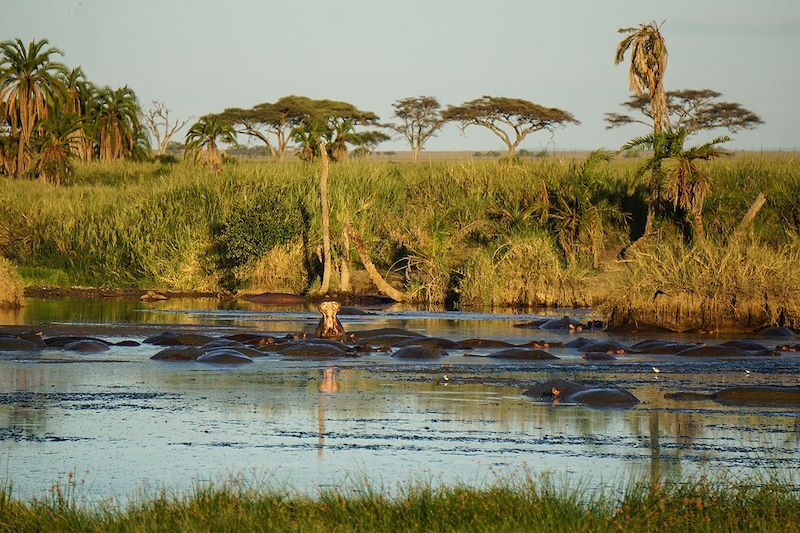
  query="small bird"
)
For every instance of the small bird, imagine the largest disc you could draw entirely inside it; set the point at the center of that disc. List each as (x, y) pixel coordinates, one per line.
(746, 371)
(445, 377)
(656, 370)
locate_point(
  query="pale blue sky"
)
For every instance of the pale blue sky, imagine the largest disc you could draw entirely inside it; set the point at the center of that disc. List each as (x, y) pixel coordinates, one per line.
(200, 56)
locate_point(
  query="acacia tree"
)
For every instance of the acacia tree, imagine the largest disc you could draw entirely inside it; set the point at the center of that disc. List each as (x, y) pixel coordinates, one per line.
(421, 118)
(646, 75)
(30, 88)
(511, 119)
(267, 120)
(690, 109)
(159, 124)
(335, 122)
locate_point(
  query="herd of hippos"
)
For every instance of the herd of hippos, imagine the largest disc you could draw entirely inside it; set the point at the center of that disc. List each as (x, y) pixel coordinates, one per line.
(331, 341)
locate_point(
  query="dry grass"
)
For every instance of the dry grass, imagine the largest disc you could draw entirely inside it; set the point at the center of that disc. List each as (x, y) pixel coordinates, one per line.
(10, 285)
(742, 284)
(525, 272)
(280, 270)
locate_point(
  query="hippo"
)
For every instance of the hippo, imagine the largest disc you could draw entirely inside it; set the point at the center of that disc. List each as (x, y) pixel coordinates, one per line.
(224, 356)
(33, 336)
(381, 332)
(564, 322)
(541, 344)
(552, 389)
(722, 351)
(127, 343)
(559, 390)
(604, 397)
(664, 347)
(523, 354)
(329, 326)
(578, 343)
(605, 346)
(276, 298)
(63, 340)
(183, 339)
(87, 346)
(418, 352)
(188, 353)
(427, 342)
(313, 350)
(484, 343)
(15, 344)
(744, 344)
(777, 332)
(759, 396)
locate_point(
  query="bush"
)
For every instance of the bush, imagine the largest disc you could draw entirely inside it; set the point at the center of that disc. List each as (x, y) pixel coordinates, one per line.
(249, 231)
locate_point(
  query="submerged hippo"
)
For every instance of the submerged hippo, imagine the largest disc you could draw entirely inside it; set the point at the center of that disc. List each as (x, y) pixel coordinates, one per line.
(759, 395)
(276, 298)
(523, 354)
(418, 352)
(329, 326)
(559, 390)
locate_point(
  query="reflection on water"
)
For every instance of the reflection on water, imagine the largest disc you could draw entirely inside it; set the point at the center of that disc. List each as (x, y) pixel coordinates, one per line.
(122, 420)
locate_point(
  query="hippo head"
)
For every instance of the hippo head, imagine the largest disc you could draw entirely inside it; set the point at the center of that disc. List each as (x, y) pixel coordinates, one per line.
(329, 326)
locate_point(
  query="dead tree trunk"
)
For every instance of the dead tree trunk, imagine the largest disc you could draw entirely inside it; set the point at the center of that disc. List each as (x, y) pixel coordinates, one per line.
(374, 275)
(751, 214)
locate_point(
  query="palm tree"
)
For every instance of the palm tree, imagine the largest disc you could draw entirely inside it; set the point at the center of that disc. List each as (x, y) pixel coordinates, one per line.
(117, 125)
(53, 147)
(29, 88)
(202, 139)
(646, 74)
(78, 98)
(685, 184)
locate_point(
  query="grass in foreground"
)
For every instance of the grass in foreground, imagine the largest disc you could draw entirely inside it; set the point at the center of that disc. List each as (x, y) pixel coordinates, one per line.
(699, 505)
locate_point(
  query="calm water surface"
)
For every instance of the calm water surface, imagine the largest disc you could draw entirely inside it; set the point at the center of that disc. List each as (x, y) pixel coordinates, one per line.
(118, 422)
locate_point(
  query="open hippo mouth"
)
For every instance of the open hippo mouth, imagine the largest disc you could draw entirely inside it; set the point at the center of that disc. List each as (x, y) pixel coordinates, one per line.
(329, 326)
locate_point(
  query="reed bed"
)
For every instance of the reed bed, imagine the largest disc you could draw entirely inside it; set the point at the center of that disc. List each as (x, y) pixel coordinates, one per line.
(526, 505)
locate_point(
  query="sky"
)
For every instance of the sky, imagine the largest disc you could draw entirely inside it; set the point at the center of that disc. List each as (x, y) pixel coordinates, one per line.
(201, 56)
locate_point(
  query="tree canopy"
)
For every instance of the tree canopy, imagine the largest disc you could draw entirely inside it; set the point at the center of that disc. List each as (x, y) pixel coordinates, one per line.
(420, 117)
(511, 119)
(266, 120)
(690, 109)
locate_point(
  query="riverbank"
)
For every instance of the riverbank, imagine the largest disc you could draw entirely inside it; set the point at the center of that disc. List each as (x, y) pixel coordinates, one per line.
(517, 505)
(473, 234)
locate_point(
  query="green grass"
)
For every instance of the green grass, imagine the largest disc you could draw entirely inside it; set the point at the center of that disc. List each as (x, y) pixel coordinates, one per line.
(526, 505)
(469, 232)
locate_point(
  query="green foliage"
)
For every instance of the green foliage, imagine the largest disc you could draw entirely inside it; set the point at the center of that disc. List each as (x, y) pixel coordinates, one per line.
(251, 230)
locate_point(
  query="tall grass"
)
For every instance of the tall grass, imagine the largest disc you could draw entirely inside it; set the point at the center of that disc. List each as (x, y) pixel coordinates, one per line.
(529, 505)
(741, 284)
(10, 285)
(529, 232)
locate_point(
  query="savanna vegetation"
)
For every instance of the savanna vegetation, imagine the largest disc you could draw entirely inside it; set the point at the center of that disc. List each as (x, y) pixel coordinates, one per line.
(657, 235)
(522, 505)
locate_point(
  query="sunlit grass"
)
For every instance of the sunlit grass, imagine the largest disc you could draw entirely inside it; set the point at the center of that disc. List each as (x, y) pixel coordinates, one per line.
(521, 505)
(468, 232)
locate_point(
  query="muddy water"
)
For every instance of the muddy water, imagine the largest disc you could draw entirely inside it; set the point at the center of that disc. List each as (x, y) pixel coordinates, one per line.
(117, 422)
